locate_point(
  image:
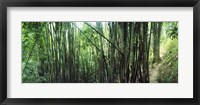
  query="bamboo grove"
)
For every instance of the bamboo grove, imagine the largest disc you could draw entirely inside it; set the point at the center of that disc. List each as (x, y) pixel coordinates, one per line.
(90, 52)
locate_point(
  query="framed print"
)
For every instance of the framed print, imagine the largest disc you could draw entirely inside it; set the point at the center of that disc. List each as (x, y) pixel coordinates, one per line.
(99, 52)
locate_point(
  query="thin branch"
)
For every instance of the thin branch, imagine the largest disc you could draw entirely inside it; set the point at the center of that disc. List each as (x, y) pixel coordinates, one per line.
(104, 37)
(86, 36)
(88, 39)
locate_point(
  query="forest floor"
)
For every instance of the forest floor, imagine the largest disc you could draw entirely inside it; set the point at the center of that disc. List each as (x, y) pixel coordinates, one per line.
(154, 69)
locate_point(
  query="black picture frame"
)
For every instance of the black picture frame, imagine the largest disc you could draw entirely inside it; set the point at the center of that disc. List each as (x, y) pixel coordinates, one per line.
(99, 3)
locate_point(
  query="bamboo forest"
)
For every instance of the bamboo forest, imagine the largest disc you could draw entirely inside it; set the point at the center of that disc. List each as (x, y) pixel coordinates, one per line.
(100, 52)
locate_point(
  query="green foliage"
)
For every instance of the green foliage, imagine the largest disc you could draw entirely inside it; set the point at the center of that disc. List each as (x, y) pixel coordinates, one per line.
(172, 30)
(32, 42)
(168, 71)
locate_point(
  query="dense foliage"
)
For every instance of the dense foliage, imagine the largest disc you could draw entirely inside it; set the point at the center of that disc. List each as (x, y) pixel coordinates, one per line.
(99, 52)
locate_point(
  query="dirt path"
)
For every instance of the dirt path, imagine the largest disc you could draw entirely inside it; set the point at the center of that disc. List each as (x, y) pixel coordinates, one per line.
(154, 72)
